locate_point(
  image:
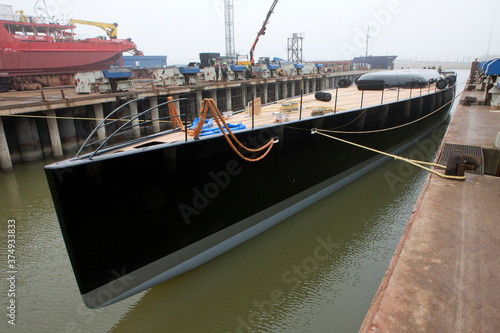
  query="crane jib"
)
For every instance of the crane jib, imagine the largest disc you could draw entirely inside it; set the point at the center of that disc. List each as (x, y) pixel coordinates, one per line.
(262, 30)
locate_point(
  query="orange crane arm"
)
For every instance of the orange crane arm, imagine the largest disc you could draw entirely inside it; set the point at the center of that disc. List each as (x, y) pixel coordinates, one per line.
(262, 30)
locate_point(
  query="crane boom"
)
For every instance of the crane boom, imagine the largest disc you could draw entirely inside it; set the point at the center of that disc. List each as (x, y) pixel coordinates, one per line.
(111, 29)
(262, 30)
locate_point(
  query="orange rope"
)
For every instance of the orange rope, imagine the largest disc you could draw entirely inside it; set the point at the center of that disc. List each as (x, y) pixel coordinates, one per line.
(221, 123)
(214, 109)
(176, 121)
(203, 115)
(219, 119)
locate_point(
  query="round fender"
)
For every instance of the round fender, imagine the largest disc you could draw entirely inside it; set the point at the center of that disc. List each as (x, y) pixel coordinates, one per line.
(344, 83)
(441, 84)
(323, 96)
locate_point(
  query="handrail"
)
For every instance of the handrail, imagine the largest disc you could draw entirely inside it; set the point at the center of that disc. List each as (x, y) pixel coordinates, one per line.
(131, 120)
(101, 124)
(142, 124)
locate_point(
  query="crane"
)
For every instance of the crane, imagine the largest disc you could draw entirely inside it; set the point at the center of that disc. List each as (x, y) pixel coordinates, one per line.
(262, 30)
(111, 29)
(22, 18)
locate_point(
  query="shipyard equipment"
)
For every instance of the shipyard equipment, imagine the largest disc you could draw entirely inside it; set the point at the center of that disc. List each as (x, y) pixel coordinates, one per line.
(495, 94)
(176, 76)
(237, 72)
(111, 29)
(103, 81)
(269, 70)
(234, 72)
(490, 71)
(311, 68)
(209, 74)
(291, 69)
(190, 74)
(170, 76)
(262, 30)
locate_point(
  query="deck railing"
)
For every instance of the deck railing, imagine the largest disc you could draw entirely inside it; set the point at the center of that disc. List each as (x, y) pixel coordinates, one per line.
(130, 124)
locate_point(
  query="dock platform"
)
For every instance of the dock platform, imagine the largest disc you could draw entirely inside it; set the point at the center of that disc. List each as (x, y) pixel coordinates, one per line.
(445, 273)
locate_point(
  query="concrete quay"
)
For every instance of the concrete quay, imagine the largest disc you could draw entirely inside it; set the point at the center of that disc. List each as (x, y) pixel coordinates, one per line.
(445, 273)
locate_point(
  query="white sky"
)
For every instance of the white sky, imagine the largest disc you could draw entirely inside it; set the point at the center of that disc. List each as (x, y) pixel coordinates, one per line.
(334, 30)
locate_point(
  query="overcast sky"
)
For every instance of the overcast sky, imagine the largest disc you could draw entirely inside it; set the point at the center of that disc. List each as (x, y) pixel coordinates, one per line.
(333, 30)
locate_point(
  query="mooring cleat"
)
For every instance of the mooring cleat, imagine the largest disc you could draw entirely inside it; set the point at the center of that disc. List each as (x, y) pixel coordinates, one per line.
(458, 164)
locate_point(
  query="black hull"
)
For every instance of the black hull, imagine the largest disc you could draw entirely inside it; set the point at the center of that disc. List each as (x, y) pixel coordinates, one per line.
(131, 220)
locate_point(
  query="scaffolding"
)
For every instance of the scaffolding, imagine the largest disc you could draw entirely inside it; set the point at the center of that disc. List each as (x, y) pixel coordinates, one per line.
(295, 48)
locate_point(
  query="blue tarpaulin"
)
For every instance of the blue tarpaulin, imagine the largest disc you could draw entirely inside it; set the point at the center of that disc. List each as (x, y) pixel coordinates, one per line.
(493, 68)
(208, 123)
(189, 70)
(237, 68)
(484, 64)
(208, 129)
(117, 74)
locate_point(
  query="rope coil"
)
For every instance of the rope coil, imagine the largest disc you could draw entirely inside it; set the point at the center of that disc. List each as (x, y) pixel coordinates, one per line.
(209, 104)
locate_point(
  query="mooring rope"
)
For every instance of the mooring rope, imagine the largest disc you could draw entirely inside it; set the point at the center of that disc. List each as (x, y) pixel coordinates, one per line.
(417, 163)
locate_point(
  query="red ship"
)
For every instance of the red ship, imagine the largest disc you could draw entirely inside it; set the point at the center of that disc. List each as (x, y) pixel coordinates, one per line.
(35, 45)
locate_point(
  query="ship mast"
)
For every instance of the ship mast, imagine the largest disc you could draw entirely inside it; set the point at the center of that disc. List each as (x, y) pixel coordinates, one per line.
(44, 8)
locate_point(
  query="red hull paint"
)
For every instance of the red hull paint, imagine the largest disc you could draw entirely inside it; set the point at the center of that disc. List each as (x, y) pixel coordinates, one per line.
(21, 56)
(53, 61)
